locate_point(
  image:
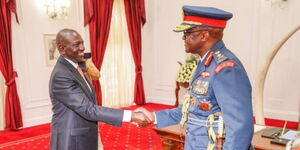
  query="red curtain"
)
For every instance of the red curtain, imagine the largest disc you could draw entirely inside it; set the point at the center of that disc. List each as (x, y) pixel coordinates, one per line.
(13, 116)
(136, 18)
(97, 13)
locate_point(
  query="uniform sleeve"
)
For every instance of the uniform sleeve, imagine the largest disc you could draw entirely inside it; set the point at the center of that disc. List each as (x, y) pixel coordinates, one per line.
(168, 117)
(233, 93)
(67, 91)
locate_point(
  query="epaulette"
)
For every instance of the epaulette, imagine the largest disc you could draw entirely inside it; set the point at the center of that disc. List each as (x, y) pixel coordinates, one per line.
(219, 57)
(225, 64)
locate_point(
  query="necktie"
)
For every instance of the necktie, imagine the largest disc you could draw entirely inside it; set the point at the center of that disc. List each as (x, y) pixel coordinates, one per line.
(80, 72)
(82, 75)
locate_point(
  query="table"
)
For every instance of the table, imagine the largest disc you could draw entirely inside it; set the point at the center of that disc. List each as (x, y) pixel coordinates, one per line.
(262, 143)
(171, 137)
(172, 140)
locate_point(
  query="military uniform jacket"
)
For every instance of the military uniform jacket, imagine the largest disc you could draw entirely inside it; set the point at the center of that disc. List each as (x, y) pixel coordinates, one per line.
(219, 84)
(75, 114)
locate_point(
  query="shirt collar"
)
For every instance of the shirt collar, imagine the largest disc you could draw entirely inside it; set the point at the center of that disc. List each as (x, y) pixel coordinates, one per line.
(75, 65)
(202, 58)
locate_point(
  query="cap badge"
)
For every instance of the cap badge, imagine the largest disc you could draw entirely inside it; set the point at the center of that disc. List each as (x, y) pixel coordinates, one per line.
(182, 14)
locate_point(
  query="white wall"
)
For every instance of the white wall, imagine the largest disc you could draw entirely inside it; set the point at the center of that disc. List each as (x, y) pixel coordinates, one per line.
(282, 94)
(29, 56)
(250, 34)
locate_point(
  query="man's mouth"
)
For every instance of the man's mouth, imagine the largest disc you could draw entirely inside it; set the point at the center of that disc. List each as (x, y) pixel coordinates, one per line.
(81, 54)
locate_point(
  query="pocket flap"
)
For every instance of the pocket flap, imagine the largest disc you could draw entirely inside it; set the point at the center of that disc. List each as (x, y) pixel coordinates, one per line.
(80, 131)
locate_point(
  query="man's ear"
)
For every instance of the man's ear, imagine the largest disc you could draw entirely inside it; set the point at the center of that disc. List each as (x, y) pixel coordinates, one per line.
(205, 36)
(61, 49)
(62, 52)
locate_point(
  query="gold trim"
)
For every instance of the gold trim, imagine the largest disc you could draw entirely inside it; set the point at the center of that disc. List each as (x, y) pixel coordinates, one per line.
(192, 22)
(181, 27)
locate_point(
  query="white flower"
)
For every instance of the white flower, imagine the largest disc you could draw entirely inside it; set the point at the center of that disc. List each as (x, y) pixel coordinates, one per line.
(185, 72)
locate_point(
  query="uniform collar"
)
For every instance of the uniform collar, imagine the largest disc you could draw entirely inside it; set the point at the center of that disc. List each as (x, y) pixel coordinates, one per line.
(220, 44)
(202, 58)
(209, 55)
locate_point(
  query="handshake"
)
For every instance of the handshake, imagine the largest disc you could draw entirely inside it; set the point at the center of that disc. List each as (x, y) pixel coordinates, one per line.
(141, 117)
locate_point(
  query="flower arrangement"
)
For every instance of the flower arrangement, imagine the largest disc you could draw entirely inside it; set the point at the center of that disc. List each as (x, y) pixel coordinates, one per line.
(186, 70)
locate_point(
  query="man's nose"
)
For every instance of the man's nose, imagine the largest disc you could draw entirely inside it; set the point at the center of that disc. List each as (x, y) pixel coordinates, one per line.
(82, 48)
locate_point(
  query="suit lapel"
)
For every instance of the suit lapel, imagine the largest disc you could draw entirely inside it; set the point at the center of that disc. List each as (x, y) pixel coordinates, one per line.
(92, 89)
(79, 78)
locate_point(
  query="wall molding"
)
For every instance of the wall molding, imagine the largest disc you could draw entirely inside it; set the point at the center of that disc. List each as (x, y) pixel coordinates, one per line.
(283, 115)
(37, 103)
(40, 99)
(164, 88)
(37, 121)
(36, 106)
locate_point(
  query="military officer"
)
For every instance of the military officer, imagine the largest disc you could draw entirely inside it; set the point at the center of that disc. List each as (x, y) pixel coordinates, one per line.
(217, 109)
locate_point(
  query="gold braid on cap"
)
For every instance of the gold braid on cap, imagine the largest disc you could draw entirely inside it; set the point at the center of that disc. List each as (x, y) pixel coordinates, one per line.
(192, 22)
(181, 27)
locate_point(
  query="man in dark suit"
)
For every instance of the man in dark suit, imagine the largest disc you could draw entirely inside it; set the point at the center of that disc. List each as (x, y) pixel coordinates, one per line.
(75, 113)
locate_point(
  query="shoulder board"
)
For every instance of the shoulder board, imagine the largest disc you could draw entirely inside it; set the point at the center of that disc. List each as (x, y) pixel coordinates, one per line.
(226, 64)
(219, 57)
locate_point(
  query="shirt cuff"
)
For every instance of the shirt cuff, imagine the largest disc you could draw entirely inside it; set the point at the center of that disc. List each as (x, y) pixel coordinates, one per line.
(155, 120)
(127, 116)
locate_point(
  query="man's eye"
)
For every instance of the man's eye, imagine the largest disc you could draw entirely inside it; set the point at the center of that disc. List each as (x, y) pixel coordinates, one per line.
(186, 33)
(75, 45)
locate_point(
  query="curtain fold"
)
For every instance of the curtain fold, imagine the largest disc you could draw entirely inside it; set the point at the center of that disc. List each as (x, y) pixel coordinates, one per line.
(136, 18)
(117, 71)
(97, 13)
(13, 117)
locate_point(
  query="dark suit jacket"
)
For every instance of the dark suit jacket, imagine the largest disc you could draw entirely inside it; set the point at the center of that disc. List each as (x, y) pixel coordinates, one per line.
(75, 114)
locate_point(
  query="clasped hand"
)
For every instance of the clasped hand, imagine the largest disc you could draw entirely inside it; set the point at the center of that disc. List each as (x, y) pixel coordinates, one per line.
(141, 117)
